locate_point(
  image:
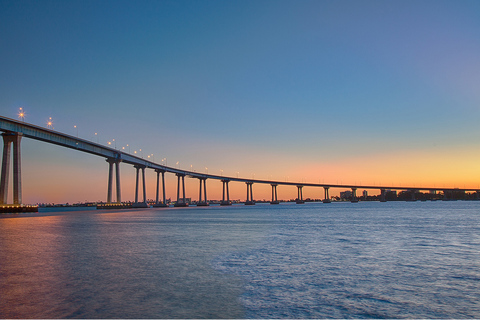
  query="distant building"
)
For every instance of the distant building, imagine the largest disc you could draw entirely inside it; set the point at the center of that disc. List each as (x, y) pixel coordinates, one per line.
(390, 195)
(365, 194)
(346, 195)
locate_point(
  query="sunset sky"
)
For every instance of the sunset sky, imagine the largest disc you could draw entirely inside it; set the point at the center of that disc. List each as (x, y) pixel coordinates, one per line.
(365, 92)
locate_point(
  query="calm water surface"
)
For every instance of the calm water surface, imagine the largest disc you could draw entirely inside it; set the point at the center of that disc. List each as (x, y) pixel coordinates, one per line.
(339, 260)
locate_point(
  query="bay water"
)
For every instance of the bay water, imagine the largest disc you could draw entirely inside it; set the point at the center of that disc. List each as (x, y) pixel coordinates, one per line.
(338, 260)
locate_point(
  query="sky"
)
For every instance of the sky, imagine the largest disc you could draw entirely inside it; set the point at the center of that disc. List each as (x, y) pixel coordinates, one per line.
(351, 92)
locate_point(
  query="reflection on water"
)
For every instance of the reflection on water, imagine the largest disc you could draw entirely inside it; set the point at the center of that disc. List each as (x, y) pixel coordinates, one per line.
(116, 264)
(364, 260)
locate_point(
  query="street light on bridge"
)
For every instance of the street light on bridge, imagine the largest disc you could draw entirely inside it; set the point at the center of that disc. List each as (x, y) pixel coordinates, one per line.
(50, 123)
(21, 114)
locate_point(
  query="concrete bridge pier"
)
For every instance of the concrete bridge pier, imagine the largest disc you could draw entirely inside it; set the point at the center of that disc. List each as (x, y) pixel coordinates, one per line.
(157, 202)
(201, 203)
(327, 196)
(8, 140)
(274, 195)
(144, 203)
(300, 195)
(249, 194)
(111, 162)
(225, 188)
(181, 201)
(354, 195)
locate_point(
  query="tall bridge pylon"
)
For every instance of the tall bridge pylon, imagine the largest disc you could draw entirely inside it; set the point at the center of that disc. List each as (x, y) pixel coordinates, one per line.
(10, 138)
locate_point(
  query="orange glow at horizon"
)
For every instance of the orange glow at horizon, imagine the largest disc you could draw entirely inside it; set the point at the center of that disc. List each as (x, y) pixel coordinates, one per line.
(454, 168)
(88, 182)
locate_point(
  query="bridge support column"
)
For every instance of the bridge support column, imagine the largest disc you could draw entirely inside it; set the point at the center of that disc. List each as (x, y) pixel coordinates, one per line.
(201, 203)
(157, 202)
(144, 203)
(117, 180)
(205, 190)
(8, 139)
(144, 186)
(300, 195)
(111, 162)
(163, 188)
(327, 196)
(354, 195)
(181, 201)
(225, 202)
(249, 194)
(274, 195)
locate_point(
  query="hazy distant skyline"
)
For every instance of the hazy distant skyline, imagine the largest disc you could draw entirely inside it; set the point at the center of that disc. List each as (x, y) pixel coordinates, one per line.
(372, 92)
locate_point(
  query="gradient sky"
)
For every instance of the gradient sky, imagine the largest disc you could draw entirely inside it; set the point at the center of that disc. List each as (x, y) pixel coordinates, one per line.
(371, 92)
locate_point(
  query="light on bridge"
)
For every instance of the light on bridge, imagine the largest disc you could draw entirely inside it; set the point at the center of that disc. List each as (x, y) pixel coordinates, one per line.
(21, 114)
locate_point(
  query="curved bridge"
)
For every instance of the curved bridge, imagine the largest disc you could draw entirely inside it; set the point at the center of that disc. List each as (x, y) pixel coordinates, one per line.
(14, 130)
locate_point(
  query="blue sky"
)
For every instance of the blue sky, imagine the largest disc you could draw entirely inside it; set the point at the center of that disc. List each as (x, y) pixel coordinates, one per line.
(297, 89)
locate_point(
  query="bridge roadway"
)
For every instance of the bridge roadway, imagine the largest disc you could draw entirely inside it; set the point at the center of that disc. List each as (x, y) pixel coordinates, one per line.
(14, 130)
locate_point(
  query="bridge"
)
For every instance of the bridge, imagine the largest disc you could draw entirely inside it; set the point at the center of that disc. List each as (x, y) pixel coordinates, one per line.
(14, 131)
